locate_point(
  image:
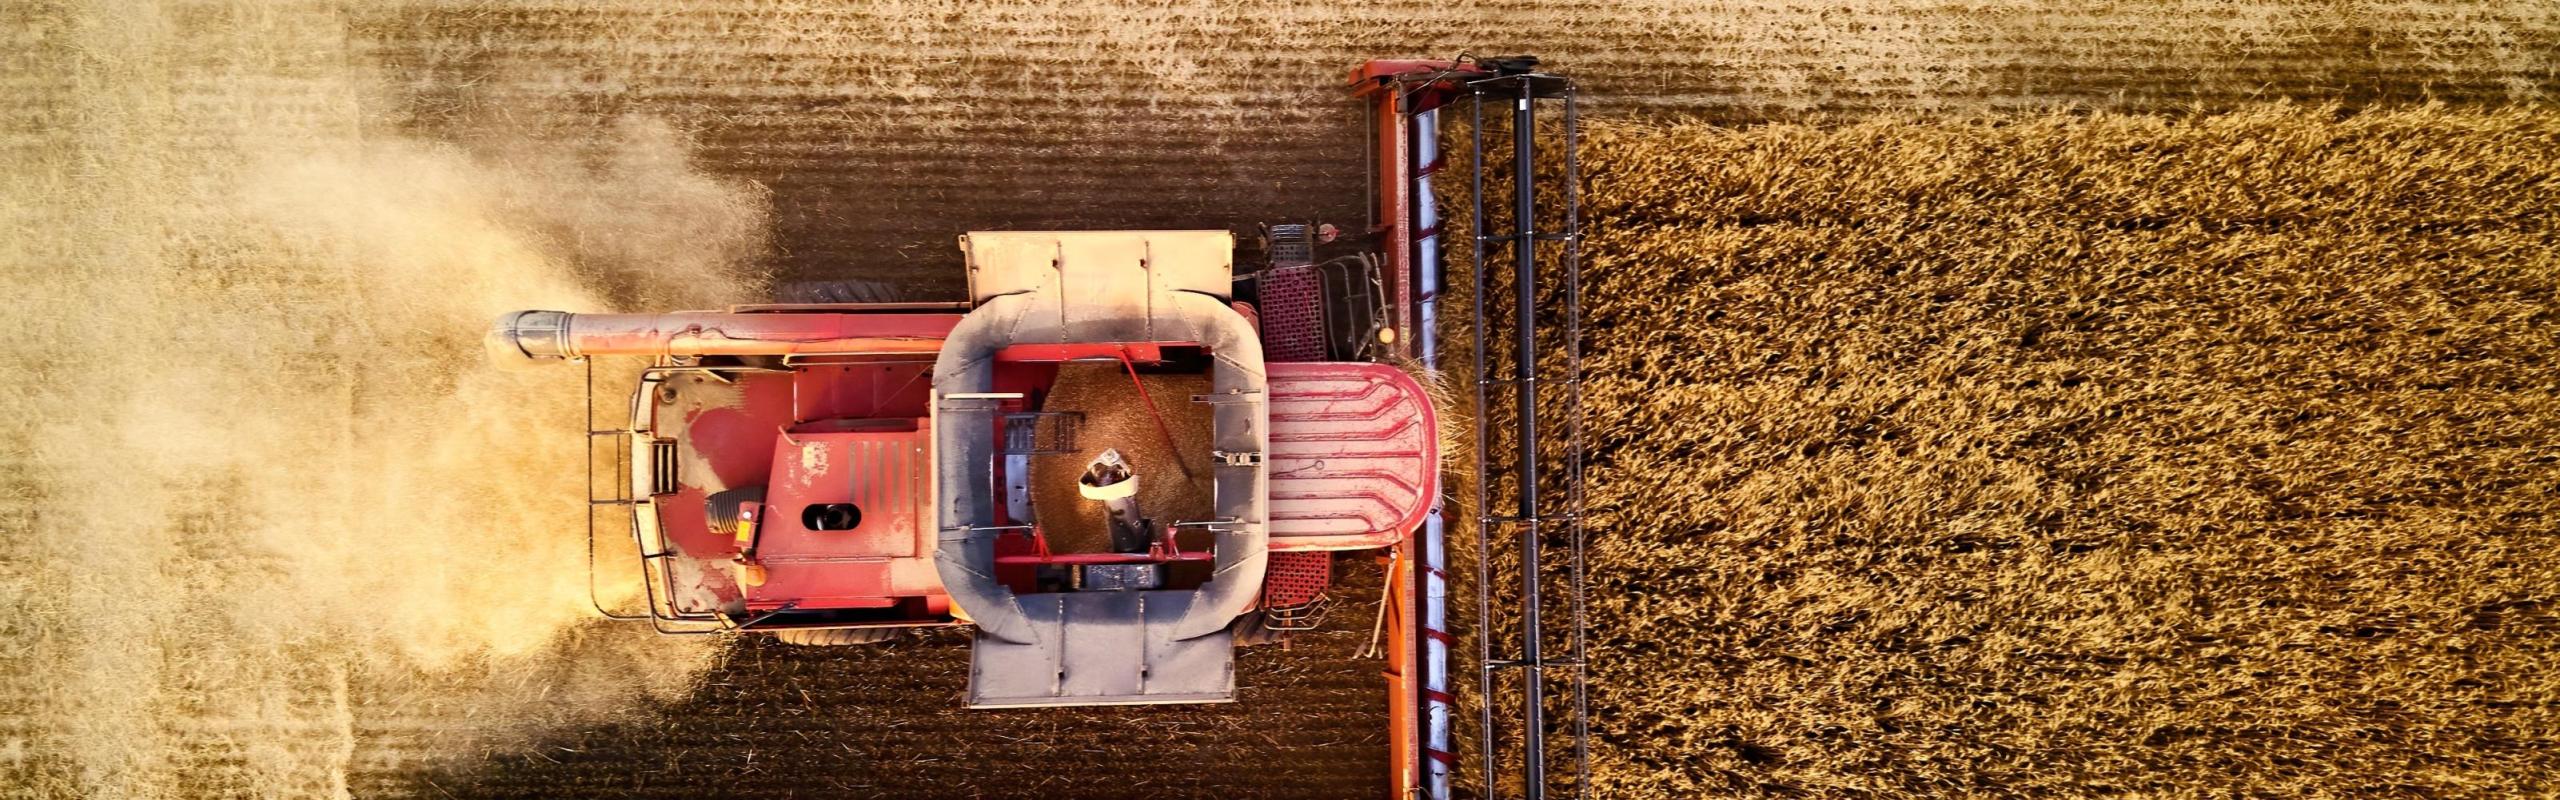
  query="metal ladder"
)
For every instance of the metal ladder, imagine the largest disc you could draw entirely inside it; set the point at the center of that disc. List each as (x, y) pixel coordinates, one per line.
(1537, 522)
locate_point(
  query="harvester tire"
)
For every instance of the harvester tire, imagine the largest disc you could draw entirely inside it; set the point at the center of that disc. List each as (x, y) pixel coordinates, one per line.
(835, 637)
(838, 292)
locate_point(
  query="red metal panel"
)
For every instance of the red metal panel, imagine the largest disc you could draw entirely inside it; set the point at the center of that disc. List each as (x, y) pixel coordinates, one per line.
(864, 391)
(884, 557)
(724, 437)
(1355, 455)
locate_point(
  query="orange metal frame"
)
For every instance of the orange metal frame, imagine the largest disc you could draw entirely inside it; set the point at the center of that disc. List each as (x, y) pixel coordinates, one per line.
(1392, 89)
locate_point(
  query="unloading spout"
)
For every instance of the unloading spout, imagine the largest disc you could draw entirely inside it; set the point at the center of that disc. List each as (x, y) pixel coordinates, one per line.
(521, 337)
(1109, 481)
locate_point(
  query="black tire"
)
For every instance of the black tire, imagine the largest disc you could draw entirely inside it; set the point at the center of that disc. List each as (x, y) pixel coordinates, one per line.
(835, 637)
(838, 292)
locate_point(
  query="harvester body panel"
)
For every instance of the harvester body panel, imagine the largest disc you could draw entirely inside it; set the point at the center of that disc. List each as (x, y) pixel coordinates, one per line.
(851, 532)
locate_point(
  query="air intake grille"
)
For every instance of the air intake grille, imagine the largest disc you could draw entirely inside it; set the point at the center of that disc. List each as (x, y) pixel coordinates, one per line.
(662, 467)
(1292, 315)
(1292, 245)
(1040, 433)
(1295, 580)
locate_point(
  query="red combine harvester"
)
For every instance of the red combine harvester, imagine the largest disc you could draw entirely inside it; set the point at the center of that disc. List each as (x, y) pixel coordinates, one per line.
(1116, 461)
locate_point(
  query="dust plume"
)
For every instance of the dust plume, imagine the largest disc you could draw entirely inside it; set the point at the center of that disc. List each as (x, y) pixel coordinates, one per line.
(263, 503)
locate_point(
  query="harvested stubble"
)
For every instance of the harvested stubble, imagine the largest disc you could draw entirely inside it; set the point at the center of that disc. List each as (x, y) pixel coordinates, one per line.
(2077, 455)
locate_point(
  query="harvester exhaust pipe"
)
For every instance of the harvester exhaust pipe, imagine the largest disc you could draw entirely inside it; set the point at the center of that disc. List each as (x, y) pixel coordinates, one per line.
(1108, 480)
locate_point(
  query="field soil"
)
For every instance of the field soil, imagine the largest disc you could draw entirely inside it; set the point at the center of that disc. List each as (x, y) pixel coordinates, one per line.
(268, 526)
(882, 129)
(889, 720)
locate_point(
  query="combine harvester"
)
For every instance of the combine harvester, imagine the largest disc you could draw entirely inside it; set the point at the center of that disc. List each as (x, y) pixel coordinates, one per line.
(1118, 460)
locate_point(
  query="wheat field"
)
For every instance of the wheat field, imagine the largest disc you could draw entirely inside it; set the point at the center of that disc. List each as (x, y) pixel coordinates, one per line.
(268, 529)
(2077, 455)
